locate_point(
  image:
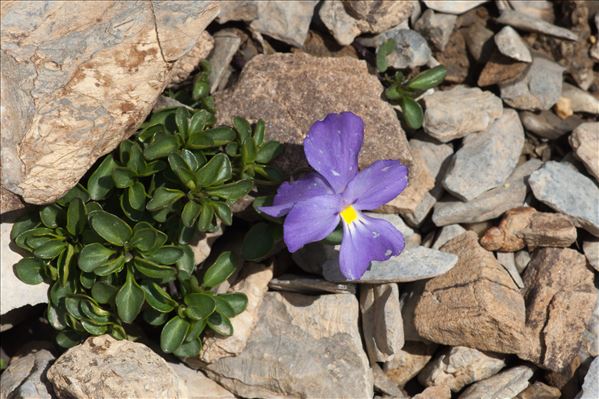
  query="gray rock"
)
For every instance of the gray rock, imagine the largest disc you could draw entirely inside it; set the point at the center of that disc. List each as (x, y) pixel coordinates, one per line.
(287, 21)
(488, 205)
(542, 9)
(522, 258)
(460, 111)
(411, 49)
(453, 6)
(411, 265)
(460, 366)
(538, 89)
(226, 44)
(409, 296)
(382, 325)
(237, 10)
(416, 217)
(531, 24)
(447, 233)
(506, 384)
(591, 251)
(487, 159)
(590, 387)
(510, 44)
(309, 285)
(307, 358)
(25, 376)
(584, 140)
(435, 155)
(508, 261)
(436, 27)
(580, 100)
(384, 384)
(547, 125)
(566, 190)
(590, 337)
(198, 385)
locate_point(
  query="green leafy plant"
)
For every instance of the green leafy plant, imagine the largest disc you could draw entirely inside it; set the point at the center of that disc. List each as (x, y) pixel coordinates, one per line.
(404, 91)
(114, 248)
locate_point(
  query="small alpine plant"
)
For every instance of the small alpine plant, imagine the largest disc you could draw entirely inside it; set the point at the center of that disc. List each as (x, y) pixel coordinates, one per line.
(337, 192)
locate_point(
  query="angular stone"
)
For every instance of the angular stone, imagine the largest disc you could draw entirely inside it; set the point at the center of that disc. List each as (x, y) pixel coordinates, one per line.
(547, 125)
(9, 201)
(585, 143)
(455, 58)
(287, 21)
(526, 227)
(580, 100)
(453, 6)
(79, 77)
(183, 67)
(508, 261)
(511, 45)
(384, 384)
(591, 251)
(506, 384)
(479, 41)
(289, 117)
(460, 366)
(501, 70)
(412, 264)
(408, 362)
(542, 9)
(486, 160)
(309, 285)
(25, 376)
(254, 284)
(522, 259)
(226, 44)
(538, 390)
(590, 340)
(435, 155)
(321, 45)
(560, 297)
(198, 385)
(237, 10)
(488, 205)
(436, 27)
(435, 392)
(382, 325)
(590, 387)
(538, 89)
(105, 367)
(531, 24)
(476, 304)
(308, 358)
(564, 189)
(411, 49)
(447, 233)
(460, 111)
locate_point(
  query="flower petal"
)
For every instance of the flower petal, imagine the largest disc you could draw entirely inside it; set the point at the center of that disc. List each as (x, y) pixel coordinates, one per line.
(289, 193)
(311, 220)
(365, 240)
(332, 147)
(376, 185)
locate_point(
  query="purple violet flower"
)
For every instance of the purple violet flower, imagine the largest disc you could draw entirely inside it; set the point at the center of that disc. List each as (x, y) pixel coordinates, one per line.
(315, 203)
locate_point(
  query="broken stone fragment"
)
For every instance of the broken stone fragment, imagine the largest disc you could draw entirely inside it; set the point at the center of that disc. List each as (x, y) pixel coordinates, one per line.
(434, 392)
(287, 21)
(506, 384)
(538, 390)
(25, 376)
(511, 45)
(584, 140)
(436, 27)
(408, 362)
(531, 24)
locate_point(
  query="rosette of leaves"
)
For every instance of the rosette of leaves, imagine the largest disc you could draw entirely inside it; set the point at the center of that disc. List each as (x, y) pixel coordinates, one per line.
(404, 91)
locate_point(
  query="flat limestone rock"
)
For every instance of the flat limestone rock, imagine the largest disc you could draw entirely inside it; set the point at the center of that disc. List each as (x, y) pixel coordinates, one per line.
(293, 352)
(488, 205)
(476, 304)
(560, 297)
(486, 160)
(506, 384)
(564, 189)
(411, 265)
(460, 366)
(585, 142)
(78, 78)
(531, 24)
(460, 111)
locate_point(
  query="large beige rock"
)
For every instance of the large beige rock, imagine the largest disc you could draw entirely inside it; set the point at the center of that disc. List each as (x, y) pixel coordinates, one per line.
(476, 304)
(79, 77)
(560, 297)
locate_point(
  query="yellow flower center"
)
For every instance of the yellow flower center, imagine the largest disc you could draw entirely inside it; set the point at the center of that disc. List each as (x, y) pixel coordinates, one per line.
(349, 214)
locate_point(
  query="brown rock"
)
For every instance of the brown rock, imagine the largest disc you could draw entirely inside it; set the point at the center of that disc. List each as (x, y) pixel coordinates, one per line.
(292, 91)
(436, 392)
(190, 61)
(501, 69)
(538, 390)
(455, 58)
(408, 362)
(560, 297)
(9, 202)
(525, 226)
(78, 78)
(476, 304)
(323, 46)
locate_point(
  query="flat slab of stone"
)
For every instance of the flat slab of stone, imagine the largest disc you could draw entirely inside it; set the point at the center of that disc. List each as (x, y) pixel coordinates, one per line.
(293, 353)
(568, 191)
(548, 125)
(309, 285)
(506, 384)
(285, 21)
(511, 45)
(487, 159)
(406, 364)
(590, 387)
(531, 24)
(411, 265)
(591, 251)
(460, 111)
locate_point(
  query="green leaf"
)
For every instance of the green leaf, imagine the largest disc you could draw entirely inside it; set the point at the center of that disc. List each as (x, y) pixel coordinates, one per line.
(72, 306)
(93, 328)
(199, 121)
(219, 271)
(188, 349)
(164, 197)
(394, 92)
(93, 256)
(28, 222)
(190, 213)
(259, 132)
(117, 331)
(220, 324)
(49, 215)
(223, 307)
(428, 79)
(243, 128)
(161, 147)
(237, 301)
(56, 317)
(122, 177)
(200, 89)
(261, 241)
(136, 162)
(173, 333)
(110, 227)
(158, 298)
(411, 112)
(381, 54)
(206, 216)
(58, 292)
(136, 196)
(22, 240)
(146, 238)
(248, 151)
(76, 217)
(214, 137)
(197, 327)
(216, 171)
(129, 299)
(191, 159)
(100, 182)
(68, 339)
(103, 292)
(223, 211)
(64, 264)
(181, 120)
(182, 170)
(154, 317)
(76, 192)
(112, 266)
(186, 263)
(231, 191)
(335, 237)
(200, 306)
(153, 270)
(268, 152)
(167, 255)
(50, 249)
(29, 270)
